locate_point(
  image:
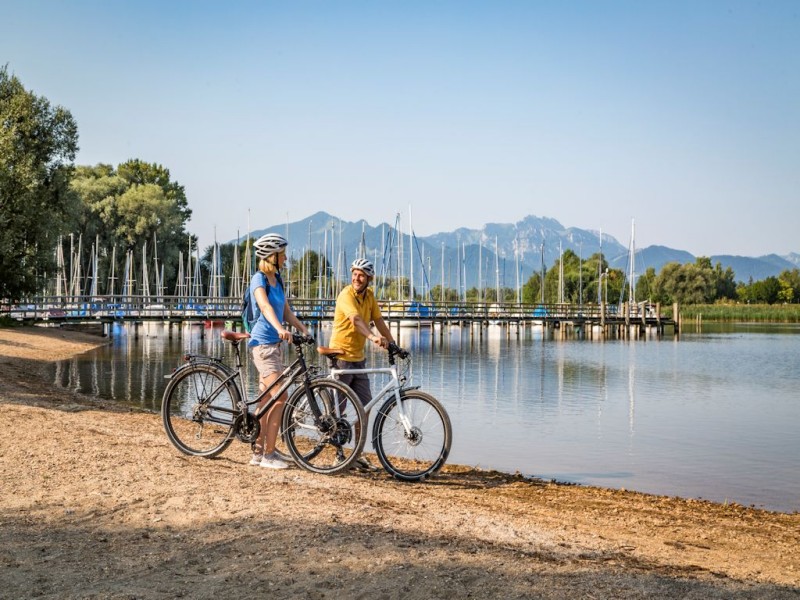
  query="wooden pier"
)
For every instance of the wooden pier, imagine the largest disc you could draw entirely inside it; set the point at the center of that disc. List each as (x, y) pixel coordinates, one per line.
(565, 320)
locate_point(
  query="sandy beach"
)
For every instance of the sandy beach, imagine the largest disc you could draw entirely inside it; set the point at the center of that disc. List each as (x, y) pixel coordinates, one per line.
(96, 503)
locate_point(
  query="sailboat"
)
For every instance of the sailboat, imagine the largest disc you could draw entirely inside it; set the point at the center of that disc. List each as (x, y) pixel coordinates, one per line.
(496, 308)
(215, 285)
(416, 313)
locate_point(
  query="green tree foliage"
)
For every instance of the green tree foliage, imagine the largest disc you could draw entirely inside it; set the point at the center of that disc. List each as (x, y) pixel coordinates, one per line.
(645, 285)
(766, 291)
(306, 273)
(724, 283)
(784, 289)
(133, 206)
(685, 284)
(446, 295)
(38, 143)
(586, 281)
(393, 288)
(532, 289)
(790, 282)
(697, 283)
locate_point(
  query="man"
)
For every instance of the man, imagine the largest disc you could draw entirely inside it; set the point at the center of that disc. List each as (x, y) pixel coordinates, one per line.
(356, 308)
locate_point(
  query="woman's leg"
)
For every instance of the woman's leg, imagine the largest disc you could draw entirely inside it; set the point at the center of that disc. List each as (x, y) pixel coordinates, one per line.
(271, 421)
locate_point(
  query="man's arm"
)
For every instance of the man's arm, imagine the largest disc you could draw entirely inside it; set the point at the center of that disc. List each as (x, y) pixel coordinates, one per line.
(381, 326)
(364, 329)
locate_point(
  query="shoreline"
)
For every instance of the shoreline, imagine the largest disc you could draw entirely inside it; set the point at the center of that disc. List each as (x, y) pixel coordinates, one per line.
(101, 505)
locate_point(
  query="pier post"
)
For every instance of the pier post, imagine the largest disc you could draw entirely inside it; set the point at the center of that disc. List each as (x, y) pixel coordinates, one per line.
(626, 312)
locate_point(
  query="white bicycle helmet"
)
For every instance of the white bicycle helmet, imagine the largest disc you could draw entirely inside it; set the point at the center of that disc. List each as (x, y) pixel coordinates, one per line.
(362, 264)
(269, 244)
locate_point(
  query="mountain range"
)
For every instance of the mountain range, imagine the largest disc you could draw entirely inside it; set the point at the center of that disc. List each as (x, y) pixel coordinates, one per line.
(487, 255)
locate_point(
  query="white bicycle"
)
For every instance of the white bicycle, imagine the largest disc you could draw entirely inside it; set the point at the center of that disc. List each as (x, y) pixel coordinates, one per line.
(412, 433)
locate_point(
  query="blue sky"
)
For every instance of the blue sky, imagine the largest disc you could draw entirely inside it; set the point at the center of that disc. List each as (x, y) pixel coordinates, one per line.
(684, 116)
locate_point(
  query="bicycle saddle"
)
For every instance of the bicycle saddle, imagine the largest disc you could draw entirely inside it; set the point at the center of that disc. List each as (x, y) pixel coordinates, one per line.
(234, 336)
(329, 352)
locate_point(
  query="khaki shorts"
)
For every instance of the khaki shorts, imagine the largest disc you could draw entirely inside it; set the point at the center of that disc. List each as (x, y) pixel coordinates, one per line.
(268, 359)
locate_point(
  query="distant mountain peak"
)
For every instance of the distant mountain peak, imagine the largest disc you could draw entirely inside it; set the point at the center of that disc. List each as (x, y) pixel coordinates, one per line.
(524, 242)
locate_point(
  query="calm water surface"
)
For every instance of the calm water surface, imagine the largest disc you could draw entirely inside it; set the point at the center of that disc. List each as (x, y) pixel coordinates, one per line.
(713, 415)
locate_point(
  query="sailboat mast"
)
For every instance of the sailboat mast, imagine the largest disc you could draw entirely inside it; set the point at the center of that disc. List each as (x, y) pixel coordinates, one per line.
(480, 267)
(496, 271)
(600, 271)
(410, 256)
(631, 287)
(441, 294)
(516, 266)
(542, 272)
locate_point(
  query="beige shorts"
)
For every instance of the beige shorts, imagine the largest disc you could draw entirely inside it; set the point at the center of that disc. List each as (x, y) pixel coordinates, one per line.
(268, 359)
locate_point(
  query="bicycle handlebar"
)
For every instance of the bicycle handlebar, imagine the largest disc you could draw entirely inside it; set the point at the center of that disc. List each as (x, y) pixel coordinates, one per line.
(395, 350)
(299, 339)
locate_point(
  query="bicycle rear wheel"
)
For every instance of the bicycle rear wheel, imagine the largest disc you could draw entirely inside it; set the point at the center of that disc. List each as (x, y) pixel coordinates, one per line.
(328, 444)
(418, 452)
(199, 409)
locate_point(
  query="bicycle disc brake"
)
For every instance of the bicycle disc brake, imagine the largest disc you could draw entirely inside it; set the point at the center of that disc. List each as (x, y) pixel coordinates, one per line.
(247, 428)
(414, 437)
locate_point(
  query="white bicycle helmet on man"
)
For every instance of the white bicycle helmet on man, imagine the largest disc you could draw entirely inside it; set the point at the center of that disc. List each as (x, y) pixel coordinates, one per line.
(362, 264)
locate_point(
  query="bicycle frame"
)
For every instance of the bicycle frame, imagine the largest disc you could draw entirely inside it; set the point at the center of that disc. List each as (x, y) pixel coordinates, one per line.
(289, 376)
(393, 386)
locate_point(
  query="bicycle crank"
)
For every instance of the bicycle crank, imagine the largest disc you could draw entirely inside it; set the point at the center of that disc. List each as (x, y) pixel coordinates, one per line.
(342, 433)
(247, 428)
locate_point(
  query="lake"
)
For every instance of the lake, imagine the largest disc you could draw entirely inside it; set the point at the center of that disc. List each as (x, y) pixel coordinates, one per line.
(713, 414)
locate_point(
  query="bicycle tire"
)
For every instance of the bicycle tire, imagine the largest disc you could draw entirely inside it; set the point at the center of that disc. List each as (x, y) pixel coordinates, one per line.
(331, 444)
(199, 409)
(420, 454)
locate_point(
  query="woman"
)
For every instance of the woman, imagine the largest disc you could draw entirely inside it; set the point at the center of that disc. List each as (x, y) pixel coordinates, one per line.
(266, 289)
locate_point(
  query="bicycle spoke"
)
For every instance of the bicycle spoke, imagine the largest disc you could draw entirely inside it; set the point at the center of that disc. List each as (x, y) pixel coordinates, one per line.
(199, 409)
(328, 443)
(414, 447)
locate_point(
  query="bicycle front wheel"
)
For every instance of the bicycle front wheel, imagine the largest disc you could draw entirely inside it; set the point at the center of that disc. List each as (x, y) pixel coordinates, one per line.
(412, 440)
(199, 409)
(331, 442)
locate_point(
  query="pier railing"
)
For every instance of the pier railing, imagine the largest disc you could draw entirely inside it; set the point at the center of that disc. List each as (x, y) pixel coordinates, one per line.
(175, 308)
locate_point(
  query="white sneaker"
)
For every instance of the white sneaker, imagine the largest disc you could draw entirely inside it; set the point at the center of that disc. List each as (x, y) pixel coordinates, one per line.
(256, 459)
(273, 461)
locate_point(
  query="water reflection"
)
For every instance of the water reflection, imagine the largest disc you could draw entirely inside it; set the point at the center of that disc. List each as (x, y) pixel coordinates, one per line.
(712, 415)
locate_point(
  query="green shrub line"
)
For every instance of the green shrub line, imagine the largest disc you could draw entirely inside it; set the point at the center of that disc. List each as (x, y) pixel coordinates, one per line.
(740, 313)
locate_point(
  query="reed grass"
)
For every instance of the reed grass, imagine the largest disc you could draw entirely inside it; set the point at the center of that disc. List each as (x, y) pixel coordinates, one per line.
(741, 313)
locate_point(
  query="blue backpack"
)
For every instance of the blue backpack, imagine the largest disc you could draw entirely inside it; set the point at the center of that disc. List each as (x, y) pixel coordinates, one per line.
(250, 310)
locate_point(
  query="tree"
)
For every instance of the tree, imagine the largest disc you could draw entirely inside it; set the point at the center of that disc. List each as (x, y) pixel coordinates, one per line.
(447, 295)
(38, 144)
(134, 206)
(645, 285)
(724, 283)
(306, 273)
(686, 284)
(532, 289)
(790, 282)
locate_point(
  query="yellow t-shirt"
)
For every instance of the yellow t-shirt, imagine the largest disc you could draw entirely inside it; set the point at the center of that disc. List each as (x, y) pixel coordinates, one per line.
(345, 336)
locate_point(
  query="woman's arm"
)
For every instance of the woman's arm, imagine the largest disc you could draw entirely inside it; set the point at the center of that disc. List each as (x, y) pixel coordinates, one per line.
(269, 313)
(291, 318)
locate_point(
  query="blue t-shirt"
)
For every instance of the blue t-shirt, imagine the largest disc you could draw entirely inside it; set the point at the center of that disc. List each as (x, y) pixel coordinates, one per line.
(263, 332)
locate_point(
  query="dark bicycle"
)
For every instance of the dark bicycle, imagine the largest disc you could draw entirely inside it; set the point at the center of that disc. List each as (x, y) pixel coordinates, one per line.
(205, 407)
